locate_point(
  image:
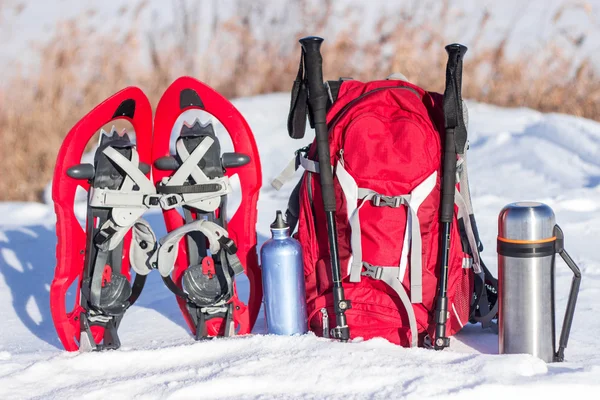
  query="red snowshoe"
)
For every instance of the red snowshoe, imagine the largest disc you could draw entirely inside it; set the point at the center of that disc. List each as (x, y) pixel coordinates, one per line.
(201, 270)
(96, 262)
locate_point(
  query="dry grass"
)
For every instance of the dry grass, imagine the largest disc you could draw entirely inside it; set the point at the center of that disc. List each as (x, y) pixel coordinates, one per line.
(81, 66)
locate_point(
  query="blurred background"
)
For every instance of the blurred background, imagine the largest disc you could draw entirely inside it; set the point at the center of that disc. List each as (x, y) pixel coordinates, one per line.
(60, 58)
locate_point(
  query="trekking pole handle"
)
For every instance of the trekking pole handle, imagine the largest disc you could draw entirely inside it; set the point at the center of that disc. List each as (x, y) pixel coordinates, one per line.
(317, 100)
(452, 117)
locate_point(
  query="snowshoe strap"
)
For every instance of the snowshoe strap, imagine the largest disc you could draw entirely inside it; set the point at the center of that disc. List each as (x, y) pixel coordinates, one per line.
(97, 277)
(218, 239)
(126, 204)
(389, 275)
(142, 255)
(205, 194)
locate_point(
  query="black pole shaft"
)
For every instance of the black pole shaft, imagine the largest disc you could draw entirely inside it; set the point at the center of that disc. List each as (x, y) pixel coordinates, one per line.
(317, 100)
(447, 214)
(455, 133)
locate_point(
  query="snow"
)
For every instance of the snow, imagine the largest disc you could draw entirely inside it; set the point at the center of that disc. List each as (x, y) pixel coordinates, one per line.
(515, 154)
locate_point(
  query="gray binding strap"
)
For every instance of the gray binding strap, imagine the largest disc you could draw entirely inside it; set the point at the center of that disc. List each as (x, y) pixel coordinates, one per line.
(131, 168)
(142, 255)
(208, 201)
(97, 277)
(389, 275)
(169, 245)
(190, 163)
(126, 204)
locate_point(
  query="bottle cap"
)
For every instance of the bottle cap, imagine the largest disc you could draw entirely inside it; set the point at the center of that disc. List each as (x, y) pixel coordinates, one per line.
(279, 222)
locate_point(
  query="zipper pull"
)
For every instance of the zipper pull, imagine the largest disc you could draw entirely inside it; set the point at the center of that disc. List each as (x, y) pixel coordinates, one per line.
(325, 321)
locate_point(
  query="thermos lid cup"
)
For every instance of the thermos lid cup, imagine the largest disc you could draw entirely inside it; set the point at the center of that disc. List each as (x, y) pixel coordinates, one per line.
(526, 221)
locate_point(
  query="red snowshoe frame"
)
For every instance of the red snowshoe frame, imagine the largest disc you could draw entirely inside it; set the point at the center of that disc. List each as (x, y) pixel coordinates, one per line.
(184, 94)
(130, 104)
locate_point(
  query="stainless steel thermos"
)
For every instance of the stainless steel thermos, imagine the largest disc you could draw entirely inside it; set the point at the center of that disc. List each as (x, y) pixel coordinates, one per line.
(528, 240)
(283, 281)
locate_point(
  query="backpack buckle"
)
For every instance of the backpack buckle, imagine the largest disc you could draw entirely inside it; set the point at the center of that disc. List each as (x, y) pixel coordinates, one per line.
(152, 200)
(170, 201)
(372, 271)
(380, 200)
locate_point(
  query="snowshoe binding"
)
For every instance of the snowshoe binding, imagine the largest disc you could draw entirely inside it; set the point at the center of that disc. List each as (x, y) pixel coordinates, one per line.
(201, 270)
(97, 260)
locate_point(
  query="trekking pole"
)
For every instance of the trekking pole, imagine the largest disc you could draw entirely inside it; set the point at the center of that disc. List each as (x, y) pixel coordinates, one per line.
(455, 143)
(317, 100)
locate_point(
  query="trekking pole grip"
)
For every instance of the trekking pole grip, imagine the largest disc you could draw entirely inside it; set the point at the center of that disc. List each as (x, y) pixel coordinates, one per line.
(317, 100)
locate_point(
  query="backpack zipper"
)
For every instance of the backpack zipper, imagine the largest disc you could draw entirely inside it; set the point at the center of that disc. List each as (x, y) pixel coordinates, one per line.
(344, 109)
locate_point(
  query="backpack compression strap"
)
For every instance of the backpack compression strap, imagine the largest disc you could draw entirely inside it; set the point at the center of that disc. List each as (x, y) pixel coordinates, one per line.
(392, 275)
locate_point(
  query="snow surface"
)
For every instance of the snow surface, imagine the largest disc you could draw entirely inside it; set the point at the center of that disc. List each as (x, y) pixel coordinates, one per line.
(515, 154)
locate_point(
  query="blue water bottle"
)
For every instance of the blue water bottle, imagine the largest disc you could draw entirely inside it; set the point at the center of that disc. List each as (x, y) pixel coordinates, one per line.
(283, 281)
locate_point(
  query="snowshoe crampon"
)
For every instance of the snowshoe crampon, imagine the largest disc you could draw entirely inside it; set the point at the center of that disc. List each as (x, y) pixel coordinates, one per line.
(202, 270)
(96, 262)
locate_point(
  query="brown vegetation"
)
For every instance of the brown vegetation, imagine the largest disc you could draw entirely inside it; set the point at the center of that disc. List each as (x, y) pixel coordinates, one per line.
(80, 66)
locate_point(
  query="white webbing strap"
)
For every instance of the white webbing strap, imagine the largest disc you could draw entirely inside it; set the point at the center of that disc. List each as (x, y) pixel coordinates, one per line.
(417, 197)
(412, 234)
(350, 190)
(300, 160)
(285, 175)
(389, 275)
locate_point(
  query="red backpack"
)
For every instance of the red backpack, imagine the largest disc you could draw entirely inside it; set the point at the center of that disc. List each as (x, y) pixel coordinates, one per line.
(385, 141)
